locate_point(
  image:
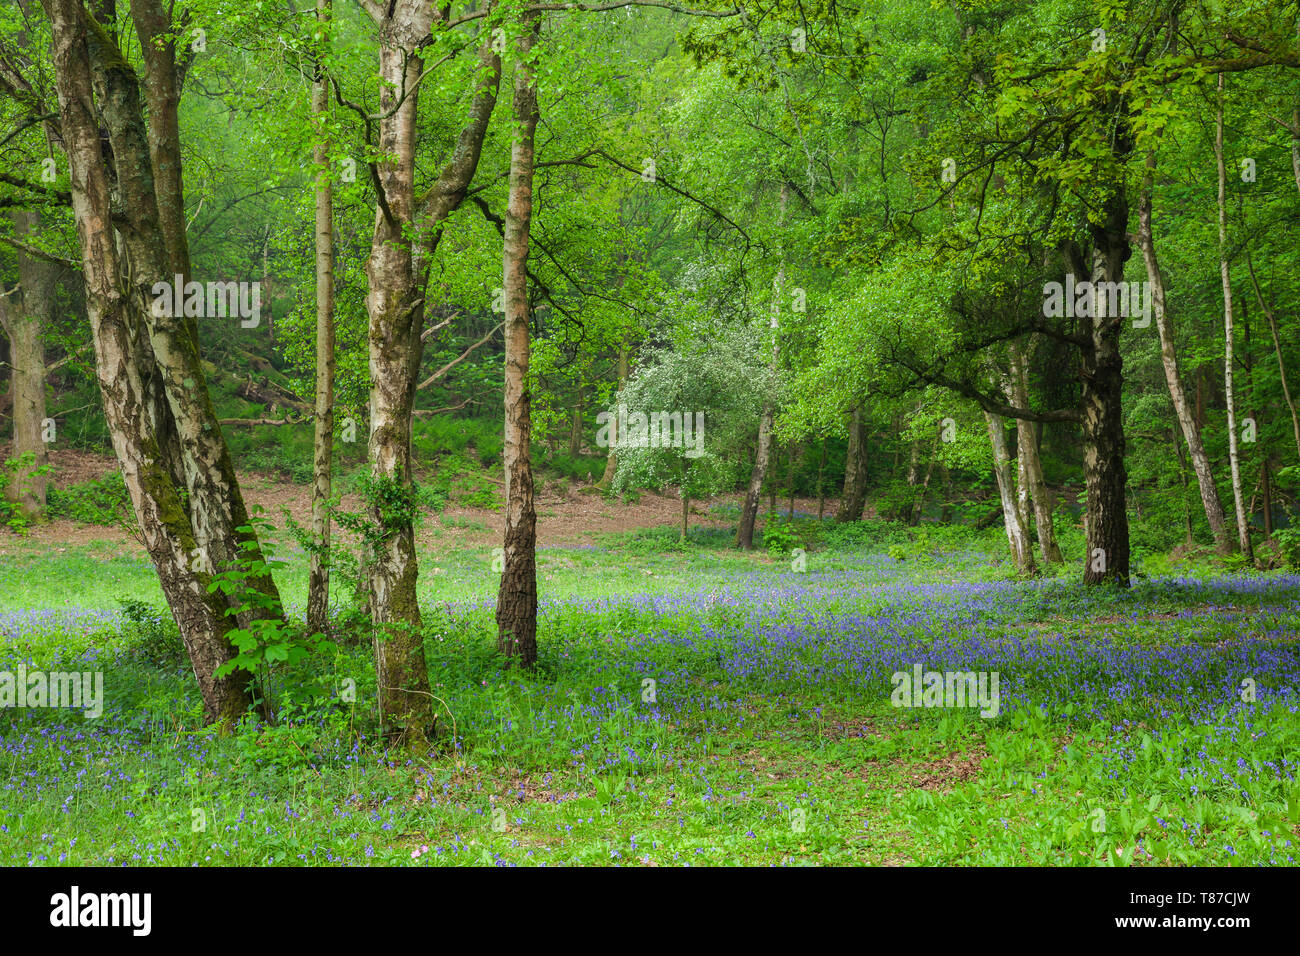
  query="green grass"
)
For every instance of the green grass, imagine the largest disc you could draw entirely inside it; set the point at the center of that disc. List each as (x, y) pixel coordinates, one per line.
(573, 765)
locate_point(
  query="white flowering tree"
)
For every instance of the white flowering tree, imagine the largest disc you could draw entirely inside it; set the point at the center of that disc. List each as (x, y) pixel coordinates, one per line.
(687, 415)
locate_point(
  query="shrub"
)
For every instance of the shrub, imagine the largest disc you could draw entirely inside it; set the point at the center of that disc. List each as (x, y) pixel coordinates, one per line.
(1288, 545)
(779, 537)
(151, 634)
(103, 501)
(11, 516)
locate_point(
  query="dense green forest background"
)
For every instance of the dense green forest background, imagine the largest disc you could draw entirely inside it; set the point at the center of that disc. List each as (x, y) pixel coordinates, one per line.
(818, 142)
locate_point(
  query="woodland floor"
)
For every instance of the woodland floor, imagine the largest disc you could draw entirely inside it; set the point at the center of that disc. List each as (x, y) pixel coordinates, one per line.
(572, 518)
(691, 705)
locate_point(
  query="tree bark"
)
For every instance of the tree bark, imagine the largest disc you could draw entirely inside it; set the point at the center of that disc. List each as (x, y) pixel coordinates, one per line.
(1031, 463)
(405, 237)
(318, 578)
(118, 337)
(188, 423)
(162, 89)
(763, 454)
(611, 461)
(1101, 413)
(394, 304)
(24, 321)
(516, 614)
(1173, 378)
(1277, 349)
(1234, 459)
(1022, 551)
(854, 496)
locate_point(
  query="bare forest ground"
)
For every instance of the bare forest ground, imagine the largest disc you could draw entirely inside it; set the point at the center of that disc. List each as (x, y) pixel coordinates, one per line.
(566, 513)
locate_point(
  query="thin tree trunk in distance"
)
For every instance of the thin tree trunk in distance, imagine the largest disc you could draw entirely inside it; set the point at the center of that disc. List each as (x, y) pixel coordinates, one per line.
(686, 512)
(1213, 507)
(1234, 460)
(611, 461)
(821, 491)
(903, 511)
(789, 480)
(318, 581)
(1022, 551)
(771, 491)
(855, 471)
(1277, 349)
(763, 454)
(575, 427)
(918, 502)
(945, 516)
(1182, 474)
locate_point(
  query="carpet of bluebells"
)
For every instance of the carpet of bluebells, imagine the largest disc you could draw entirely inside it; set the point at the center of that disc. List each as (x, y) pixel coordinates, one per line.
(728, 715)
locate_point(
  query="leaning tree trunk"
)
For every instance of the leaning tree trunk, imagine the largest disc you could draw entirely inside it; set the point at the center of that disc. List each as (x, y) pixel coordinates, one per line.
(1023, 503)
(1173, 378)
(162, 89)
(855, 471)
(213, 498)
(757, 475)
(318, 578)
(1277, 349)
(1022, 551)
(1234, 455)
(32, 310)
(517, 599)
(1031, 462)
(118, 337)
(766, 421)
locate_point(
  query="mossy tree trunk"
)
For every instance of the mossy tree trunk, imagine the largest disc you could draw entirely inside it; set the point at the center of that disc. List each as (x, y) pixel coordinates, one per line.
(406, 233)
(121, 353)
